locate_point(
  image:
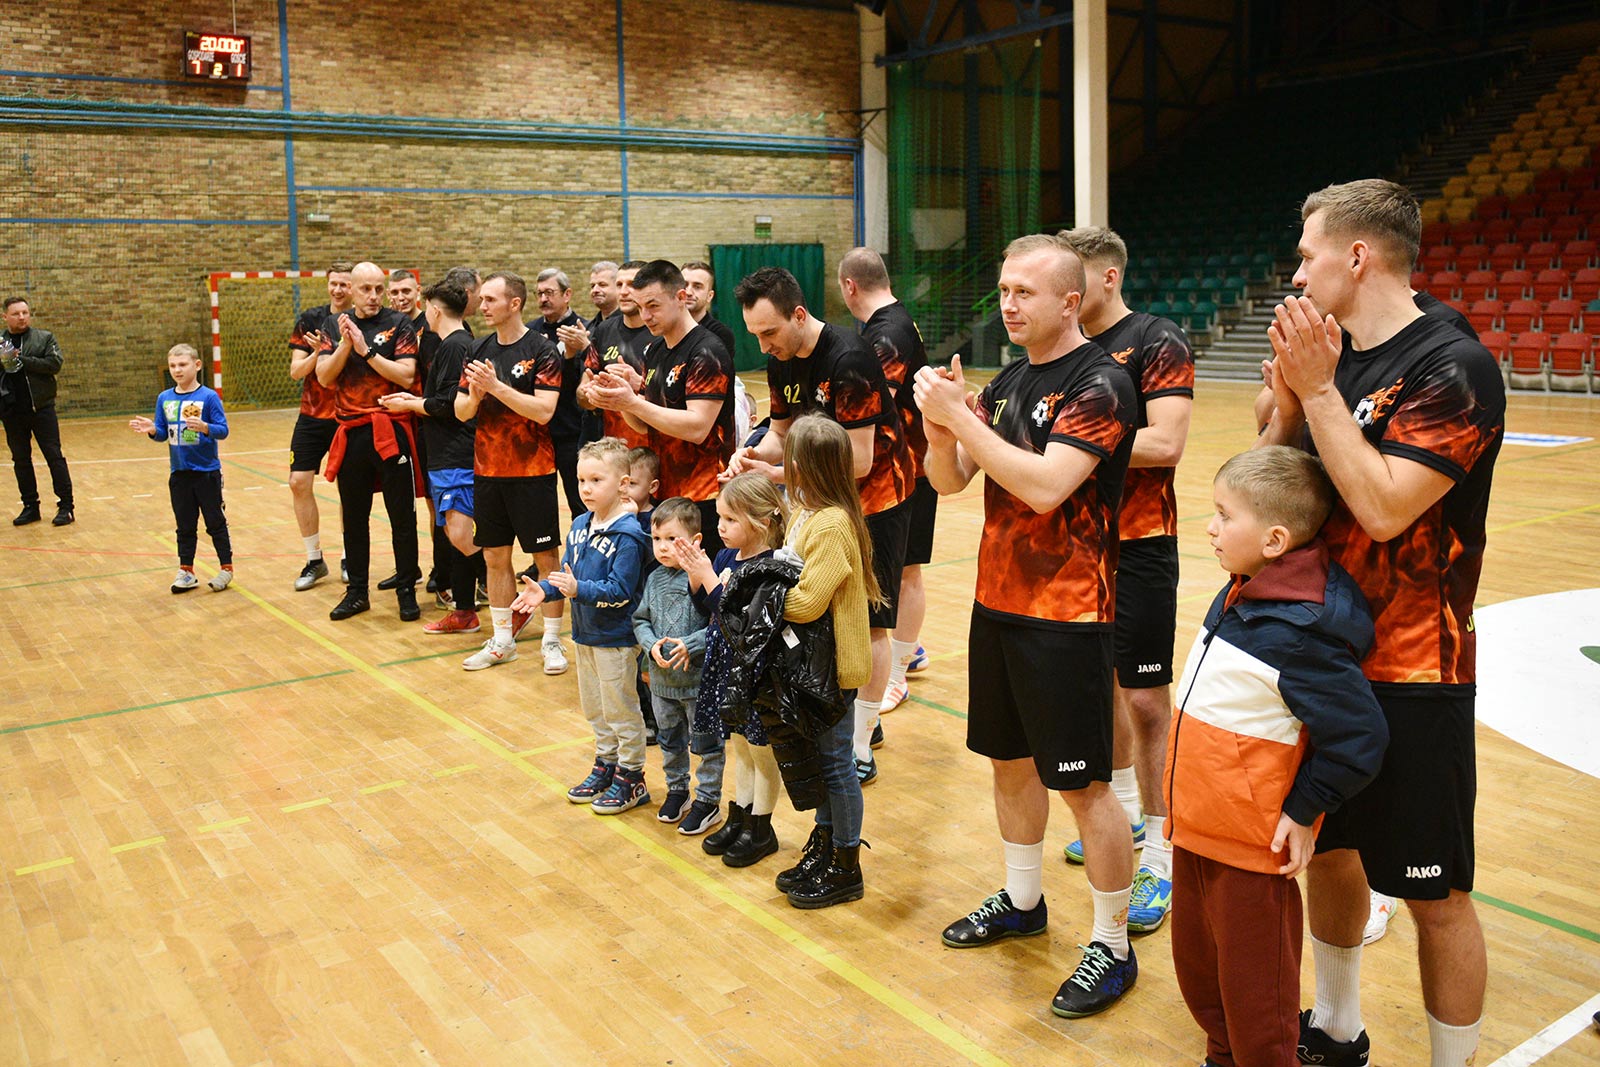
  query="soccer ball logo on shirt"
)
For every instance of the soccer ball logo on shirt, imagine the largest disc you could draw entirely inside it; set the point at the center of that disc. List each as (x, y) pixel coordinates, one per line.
(1375, 404)
(672, 375)
(824, 390)
(522, 368)
(1045, 409)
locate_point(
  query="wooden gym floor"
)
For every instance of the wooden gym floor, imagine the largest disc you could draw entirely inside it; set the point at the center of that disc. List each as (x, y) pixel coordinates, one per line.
(234, 832)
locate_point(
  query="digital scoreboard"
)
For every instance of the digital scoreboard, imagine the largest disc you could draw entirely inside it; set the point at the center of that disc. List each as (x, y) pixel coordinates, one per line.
(216, 56)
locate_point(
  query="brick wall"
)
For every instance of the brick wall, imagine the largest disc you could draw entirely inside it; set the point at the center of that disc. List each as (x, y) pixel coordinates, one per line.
(111, 233)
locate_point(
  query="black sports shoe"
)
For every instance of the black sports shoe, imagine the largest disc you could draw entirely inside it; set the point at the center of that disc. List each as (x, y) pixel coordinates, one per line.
(389, 583)
(1317, 1047)
(700, 817)
(433, 582)
(1098, 983)
(996, 918)
(672, 808)
(63, 518)
(407, 596)
(877, 735)
(27, 515)
(354, 603)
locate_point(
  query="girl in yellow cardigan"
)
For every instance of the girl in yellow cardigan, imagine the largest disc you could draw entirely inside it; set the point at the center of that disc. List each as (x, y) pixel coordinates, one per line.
(829, 534)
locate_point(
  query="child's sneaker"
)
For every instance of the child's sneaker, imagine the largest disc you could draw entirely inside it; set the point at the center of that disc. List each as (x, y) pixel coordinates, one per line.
(220, 580)
(555, 659)
(598, 782)
(919, 661)
(626, 791)
(492, 654)
(866, 771)
(185, 581)
(672, 809)
(700, 817)
(457, 622)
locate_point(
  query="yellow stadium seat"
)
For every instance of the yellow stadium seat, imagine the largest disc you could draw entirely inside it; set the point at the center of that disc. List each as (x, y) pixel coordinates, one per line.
(1588, 115)
(1574, 157)
(1555, 119)
(1485, 185)
(1551, 100)
(1565, 137)
(1510, 161)
(1517, 183)
(1479, 164)
(1528, 120)
(1456, 187)
(1543, 159)
(1461, 208)
(1504, 142)
(1433, 210)
(1531, 139)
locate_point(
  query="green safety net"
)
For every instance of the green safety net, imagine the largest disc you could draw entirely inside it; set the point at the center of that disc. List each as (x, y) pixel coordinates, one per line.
(732, 262)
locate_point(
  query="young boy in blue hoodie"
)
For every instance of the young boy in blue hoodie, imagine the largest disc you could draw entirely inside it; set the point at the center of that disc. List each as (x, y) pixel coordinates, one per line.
(189, 418)
(1275, 728)
(599, 573)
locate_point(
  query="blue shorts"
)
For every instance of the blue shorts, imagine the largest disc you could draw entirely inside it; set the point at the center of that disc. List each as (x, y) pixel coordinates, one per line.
(451, 490)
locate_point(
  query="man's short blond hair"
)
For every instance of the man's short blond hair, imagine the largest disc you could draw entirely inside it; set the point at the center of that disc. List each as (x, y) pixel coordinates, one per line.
(1375, 210)
(1069, 273)
(1097, 244)
(1283, 486)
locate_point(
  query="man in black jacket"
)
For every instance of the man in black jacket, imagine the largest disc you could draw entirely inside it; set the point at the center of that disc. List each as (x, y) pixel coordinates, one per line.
(31, 361)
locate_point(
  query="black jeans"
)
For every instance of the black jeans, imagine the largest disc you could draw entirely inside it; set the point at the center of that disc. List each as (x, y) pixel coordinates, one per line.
(567, 467)
(196, 493)
(362, 470)
(21, 428)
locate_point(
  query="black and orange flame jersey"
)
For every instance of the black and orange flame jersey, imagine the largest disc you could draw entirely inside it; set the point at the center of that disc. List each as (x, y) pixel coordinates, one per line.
(893, 334)
(699, 368)
(356, 391)
(508, 444)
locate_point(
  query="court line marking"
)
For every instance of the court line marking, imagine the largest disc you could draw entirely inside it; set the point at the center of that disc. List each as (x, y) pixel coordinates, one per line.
(144, 842)
(924, 1020)
(167, 703)
(225, 824)
(450, 772)
(290, 809)
(153, 459)
(367, 791)
(1537, 916)
(48, 865)
(81, 578)
(1544, 518)
(1551, 1037)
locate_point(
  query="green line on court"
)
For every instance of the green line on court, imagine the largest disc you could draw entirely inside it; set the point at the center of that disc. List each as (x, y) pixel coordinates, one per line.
(1538, 917)
(167, 703)
(947, 562)
(441, 655)
(935, 705)
(84, 578)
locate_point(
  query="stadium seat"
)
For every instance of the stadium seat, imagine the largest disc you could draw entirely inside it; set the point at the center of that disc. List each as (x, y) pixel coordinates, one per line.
(1588, 202)
(1485, 185)
(1519, 181)
(1159, 307)
(1510, 160)
(1497, 230)
(1440, 257)
(1419, 280)
(1542, 254)
(1461, 208)
(1433, 211)
(1506, 256)
(1520, 207)
(1477, 285)
(1568, 227)
(1433, 233)
(1514, 284)
(1521, 315)
(1490, 207)
(1526, 121)
(1551, 284)
(1586, 285)
(1445, 284)
(1558, 202)
(1548, 181)
(1504, 142)
(1562, 315)
(1466, 232)
(1581, 179)
(1531, 230)
(1576, 255)
(1479, 165)
(1561, 138)
(1485, 314)
(1201, 316)
(1530, 356)
(1571, 362)
(1498, 342)
(1455, 187)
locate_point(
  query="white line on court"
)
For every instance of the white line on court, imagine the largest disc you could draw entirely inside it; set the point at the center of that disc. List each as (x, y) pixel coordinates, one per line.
(1551, 1037)
(162, 459)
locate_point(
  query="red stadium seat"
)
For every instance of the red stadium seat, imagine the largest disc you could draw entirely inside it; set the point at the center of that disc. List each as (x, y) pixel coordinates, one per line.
(1572, 360)
(1562, 315)
(1439, 257)
(1581, 179)
(1419, 280)
(1485, 314)
(1498, 342)
(1530, 354)
(1547, 180)
(1576, 255)
(1497, 230)
(1588, 203)
(1586, 285)
(1559, 203)
(1534, 228)
(1477, 285)
(1490, 207)
(1466, 231)
(1514, 284)
(1444, 284)
(1522, 206)
(1520, 315)
(1568, 227)
(1551, 284)
(1435, 233)
(1542, 255)
(1506, 256)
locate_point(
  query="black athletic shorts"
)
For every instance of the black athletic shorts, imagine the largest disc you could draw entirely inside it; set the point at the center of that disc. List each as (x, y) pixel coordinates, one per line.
(522, 508)
(919, 537)
(1043, 693)
(888, 532)
(310, 442)
(710, 540)
(1147, 611)
(1413, 823)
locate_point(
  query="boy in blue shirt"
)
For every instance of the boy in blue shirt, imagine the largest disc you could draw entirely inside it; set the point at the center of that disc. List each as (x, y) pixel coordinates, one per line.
(600, 575)
(189, 418)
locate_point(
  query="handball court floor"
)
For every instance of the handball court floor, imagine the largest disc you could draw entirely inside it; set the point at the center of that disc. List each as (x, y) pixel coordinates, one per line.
(234, 832)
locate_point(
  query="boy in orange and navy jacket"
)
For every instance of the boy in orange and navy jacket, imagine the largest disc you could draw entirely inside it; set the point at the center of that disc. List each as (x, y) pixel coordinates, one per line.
(1276, 727)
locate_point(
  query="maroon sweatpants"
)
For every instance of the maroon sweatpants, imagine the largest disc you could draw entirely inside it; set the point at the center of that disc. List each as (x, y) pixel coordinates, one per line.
(1236, 951)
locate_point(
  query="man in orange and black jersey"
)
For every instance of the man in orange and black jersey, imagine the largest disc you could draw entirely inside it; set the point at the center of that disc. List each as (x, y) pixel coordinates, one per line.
(888, 327)
(618, 338)
(405, 295)
(511, 385)
(684, 400)
(376, 350)
(701, 285)
(315, 426)
(1408, 421)
(813, 365)
(1158, 358)
(1052, 435)
(556, 321)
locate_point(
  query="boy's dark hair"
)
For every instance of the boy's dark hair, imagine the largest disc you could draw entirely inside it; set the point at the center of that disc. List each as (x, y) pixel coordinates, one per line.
(1284, 487)
(679, 509)
(17, 300)
(662, 272)
(647, 457)
(450, 295)
(773, 284)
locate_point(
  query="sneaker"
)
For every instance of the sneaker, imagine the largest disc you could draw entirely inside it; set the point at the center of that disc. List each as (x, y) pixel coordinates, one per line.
(354, 603)
(700, 817)
(673, 808)
(598, 782)
(457, 622)
(63, 517)
(443, 602)
(220, 581)
(626, 791)
(893, 697)
(28, 514)
(390, 582)
(1382, 910)
(492, 654)
(1074, 849)
(406, 597)
(1098, 983)
(1317, 1047)
(995, 919)
(877, 735)
(1150, 902)
(866, 771)
(433, 582)
(919, 661)
(555, 660)
(185, 581)
(313, 572)
(519, 621)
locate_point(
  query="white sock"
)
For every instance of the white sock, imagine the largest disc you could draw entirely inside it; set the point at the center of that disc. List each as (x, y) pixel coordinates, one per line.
(552, 628)
(1157, 855)
(1453, 1046)
(866, 718)
(1024, 874)
(1337, 1008)
(502, 625)
(744, 771)
(900, 653)
(1125, 784)
(313, 547)
(1111, 919)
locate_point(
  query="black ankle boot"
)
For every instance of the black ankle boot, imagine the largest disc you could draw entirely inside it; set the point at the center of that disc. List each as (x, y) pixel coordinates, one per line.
(755, 843)
(717, 843)
(837, 883)
(818, 850)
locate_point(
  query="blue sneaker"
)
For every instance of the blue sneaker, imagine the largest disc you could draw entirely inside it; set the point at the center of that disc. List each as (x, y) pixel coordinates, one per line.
(1074, 850)
(626, 792)
(996, 918)
(1098, 983)
(918, 661)
(598, 782)
(1151, 900)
